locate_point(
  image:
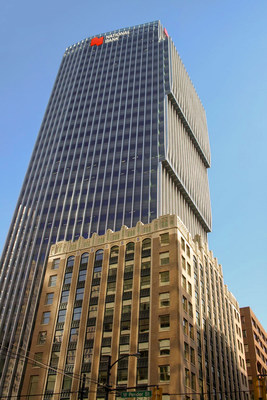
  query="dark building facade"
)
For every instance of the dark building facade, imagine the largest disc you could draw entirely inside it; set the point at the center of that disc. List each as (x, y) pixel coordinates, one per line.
(124, 139)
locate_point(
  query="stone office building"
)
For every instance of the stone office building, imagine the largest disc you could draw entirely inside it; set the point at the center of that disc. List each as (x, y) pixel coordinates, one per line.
(150, 289)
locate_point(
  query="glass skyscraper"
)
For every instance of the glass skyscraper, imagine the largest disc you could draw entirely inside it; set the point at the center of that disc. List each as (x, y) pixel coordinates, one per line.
(124, 138)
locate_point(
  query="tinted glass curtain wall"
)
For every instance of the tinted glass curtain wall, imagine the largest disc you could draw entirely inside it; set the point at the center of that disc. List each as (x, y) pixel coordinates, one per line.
(124, 138)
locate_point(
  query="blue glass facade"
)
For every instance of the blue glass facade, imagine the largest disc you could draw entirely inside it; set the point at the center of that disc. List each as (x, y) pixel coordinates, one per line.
(106, 155)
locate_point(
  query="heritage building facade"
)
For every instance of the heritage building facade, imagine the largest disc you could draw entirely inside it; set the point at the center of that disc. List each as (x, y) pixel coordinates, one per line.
(150, 289)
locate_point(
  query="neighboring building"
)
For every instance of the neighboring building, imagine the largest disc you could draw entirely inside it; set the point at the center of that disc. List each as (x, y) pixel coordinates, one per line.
(255, 343)
(150, 289)
(124, 139)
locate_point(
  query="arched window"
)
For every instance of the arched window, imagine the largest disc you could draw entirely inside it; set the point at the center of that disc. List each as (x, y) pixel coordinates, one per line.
(129, 248)
(70, 261)
(98, 262)
(114, 254)
(146, 244)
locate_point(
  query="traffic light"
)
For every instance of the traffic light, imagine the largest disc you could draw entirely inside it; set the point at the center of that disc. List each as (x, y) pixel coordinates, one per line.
(157, 394)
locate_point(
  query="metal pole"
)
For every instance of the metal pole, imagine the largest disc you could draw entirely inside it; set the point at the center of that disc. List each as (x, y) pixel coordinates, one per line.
(107, 388)
(82, 387)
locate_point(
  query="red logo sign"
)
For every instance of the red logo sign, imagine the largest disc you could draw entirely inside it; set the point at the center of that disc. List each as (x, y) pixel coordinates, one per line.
(97, 41)
(166, 33)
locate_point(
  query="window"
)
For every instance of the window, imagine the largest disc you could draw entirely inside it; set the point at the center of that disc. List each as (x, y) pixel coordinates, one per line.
(182, 244)
(82, 275)
(67, 279)
(67, 381)
(187, 251)
(58, 336)
(184, 282)
(164, 373)
(111, 288)
(54, 359)
(128, 284)
(164, 322)
(144, 325)
(61, 316)
(183, 262)
(191, 331)
(186, 351)
(52, 280)
(74, 332)
(164, 347)
(38, 358)
(184, 300)
(79, 294)
(164, 239)
(65, 296)
(187, 377)
(77, 313)
(41, 337)
(70, 357)
(192, 355)
(45, 317)
(164, 299)
(189, 269)
(185, 326)
(49, 298)
(33, 385)
(193, 381)
(55, 264)
(164, 258)
(164, 278)
(190, 309)
(145, 282)
(189, 288)
(50, 383)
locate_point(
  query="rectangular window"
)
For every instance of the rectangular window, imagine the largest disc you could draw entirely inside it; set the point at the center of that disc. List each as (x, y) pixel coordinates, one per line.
(189, 269)
(183, 263)
(38, 358)
(164, 239)
(164, 278)
(58, 336)
(77, 313)
(164, 299)
(54, 359)
(49, 298)
(55, 264)
(185, 326)
(164, 347)
(186, 351)
(187, 251)
(52, 280)
(164, 373)
(79, 294)
(184, 300)
(190, 309)
(164, 258)
(144, 325)
(65, 296)
(41, 337)
(184, 282)
(33, 385)
(50, 383)
(191, 331)
(67, 278)
(164, 322)
(192, 355)
(74, 332)
(187, 377)
(70, 357)
(189, 288)
(61, 316)
(45, 317)
(182, 244)
(82, 275)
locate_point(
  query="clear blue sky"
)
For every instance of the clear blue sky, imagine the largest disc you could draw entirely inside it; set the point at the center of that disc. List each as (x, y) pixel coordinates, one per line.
(223, 46)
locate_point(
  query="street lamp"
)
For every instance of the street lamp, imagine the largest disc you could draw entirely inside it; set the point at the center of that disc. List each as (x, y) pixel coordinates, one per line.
(107, 388)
